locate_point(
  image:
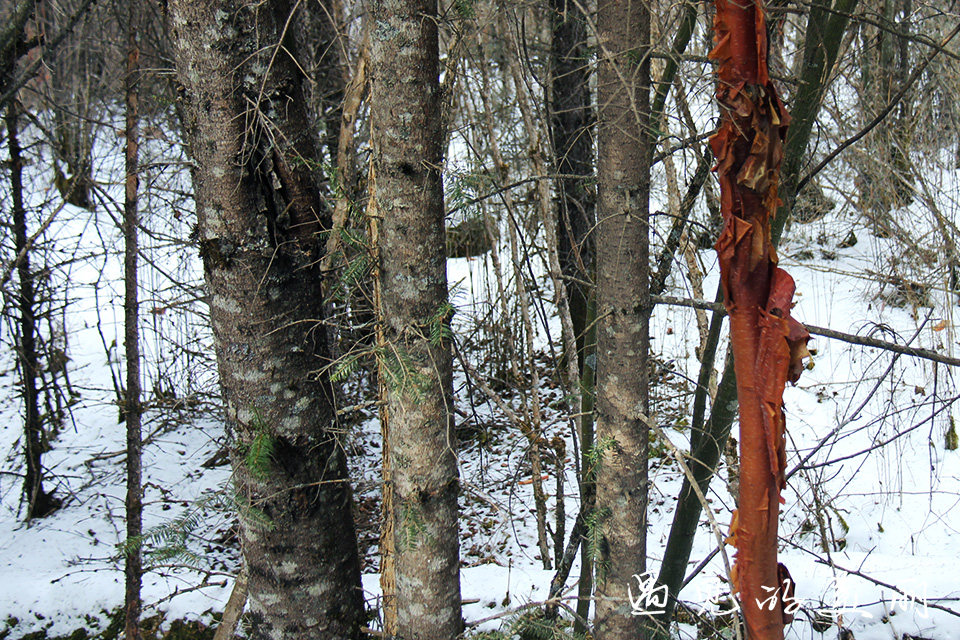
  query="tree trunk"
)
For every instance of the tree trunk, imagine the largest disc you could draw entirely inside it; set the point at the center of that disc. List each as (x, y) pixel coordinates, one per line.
(768, 345)
(623, 313)
(259, 216)
(571, 121)
(414, 357)
(39, 502)
(133, 566)
(822, 41)
(318, 32)
(588, 475)
(825, 28)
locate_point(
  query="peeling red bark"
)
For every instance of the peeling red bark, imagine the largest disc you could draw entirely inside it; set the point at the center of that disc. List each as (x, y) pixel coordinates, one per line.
(768, 345)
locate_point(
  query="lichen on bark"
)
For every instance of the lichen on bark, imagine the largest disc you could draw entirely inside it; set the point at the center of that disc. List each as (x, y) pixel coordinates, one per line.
(259, 216)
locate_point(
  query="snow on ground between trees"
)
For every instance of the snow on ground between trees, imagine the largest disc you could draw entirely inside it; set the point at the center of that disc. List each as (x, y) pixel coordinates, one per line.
(887, 512)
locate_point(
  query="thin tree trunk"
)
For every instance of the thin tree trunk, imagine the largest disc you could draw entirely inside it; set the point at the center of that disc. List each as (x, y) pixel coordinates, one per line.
(227, 629)
(623, 313)
(824, 33)
(346, 155)
(259, 214)
(588, 473)
(571, 122)
(825, 27)
(768, 345)
(39, 502)
(133, 568)
(318, 28)
(415, 359)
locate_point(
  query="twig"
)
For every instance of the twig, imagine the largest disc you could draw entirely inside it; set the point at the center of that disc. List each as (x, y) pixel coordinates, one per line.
(877, 444)
(700, 567)
(887, 585)
(850, 338)
(507, 187)
(695, 486)
(880, 116)
(227, 628)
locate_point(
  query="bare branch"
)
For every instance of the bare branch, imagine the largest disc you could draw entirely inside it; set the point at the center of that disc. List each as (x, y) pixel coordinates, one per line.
(850, 338)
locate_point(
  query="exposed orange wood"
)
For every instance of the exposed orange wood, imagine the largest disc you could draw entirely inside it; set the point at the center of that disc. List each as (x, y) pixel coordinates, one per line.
(768, 345)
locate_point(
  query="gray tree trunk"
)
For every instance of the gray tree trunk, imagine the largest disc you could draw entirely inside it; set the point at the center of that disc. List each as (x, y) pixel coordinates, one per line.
(623, 313)
(259, 216)
(414, 351)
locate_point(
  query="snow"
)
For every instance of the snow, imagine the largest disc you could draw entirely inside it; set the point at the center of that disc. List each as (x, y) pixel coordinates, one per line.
(890, 513)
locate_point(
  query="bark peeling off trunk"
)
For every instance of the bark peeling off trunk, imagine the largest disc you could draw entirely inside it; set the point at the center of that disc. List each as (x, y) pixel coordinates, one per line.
(768, 344)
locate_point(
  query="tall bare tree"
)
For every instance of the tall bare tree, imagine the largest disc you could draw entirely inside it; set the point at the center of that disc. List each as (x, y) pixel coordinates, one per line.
(259, 216)
(39, 501)
(414, 351)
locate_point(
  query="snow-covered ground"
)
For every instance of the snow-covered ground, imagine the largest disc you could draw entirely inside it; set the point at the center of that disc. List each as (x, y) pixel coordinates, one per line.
(867, 530)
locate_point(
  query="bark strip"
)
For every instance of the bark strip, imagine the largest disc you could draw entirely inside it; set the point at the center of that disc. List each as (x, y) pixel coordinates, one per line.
(768, 345)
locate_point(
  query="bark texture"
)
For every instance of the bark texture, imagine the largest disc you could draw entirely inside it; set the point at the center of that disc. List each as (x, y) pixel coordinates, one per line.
(259, 213)
(768, 345)
(825, 29)
(571, 122)
(623, 313)
(133, 565)
(414, 353)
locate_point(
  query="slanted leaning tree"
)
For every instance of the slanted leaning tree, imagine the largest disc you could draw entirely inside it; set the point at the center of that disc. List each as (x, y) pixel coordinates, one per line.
(259, 214)
(414, 355)
(768, 345)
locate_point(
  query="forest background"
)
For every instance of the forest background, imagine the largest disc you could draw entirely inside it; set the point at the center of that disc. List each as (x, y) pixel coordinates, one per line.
(326, 156)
